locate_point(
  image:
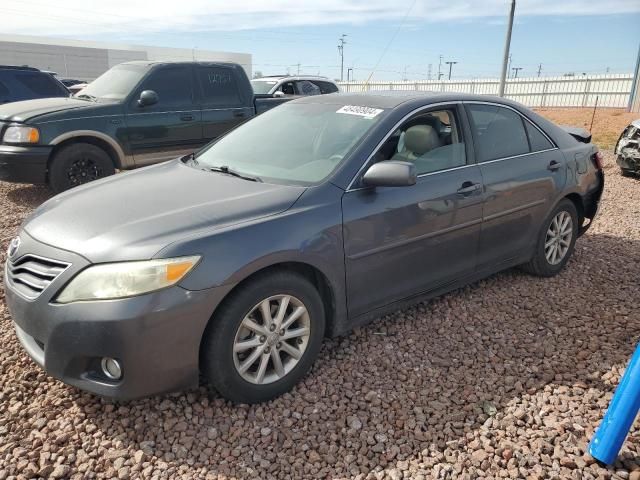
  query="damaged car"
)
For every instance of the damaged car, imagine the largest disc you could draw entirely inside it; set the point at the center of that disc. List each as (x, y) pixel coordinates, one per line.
(628, 149)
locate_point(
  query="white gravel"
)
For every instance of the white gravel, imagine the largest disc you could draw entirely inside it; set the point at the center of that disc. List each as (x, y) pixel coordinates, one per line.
(507, 378)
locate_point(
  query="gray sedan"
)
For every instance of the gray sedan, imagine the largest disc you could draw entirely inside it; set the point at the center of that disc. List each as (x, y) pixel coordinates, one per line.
(305, 222)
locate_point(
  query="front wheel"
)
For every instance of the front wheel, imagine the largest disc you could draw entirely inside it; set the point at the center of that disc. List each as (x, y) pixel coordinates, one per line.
(264, 338)
(77, 164)
(556, 241)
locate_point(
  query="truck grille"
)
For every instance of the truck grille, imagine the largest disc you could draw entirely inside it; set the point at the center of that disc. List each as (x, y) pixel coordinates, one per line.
(30, 274)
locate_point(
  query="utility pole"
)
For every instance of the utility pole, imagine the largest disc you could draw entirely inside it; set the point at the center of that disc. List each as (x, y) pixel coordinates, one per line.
(429, 72)
(451, 64)
(507, 46)
(539, 69)
(341, 43)
(515, 71)
(298, 68)
(440, 68)
(404, 74)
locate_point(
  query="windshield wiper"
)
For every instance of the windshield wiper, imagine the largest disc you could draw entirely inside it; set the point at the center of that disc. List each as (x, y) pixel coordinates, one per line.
(226, 170)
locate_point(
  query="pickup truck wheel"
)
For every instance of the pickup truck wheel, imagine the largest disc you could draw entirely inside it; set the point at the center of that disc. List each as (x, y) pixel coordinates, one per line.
(264, 338)
(556, 241)
(77, 164)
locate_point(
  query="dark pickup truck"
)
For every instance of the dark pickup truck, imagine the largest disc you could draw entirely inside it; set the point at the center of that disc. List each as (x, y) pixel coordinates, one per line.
(135, 114)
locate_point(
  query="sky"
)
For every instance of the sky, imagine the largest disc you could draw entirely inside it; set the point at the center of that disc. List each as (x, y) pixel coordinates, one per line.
(385, 39)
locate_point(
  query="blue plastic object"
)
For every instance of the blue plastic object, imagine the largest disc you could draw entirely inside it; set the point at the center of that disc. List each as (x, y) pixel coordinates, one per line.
(620, 415)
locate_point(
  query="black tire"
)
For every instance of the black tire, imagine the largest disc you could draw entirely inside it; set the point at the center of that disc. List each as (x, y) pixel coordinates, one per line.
(217, 354)
(76, 164)
(539, 265)
(627, 173)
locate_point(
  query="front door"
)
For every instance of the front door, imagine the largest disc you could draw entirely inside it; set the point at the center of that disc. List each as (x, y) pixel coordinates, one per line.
(403, 241)
(522, 172)
(171, 127)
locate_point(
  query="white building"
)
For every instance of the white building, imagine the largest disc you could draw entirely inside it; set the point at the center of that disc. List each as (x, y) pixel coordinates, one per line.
(86, 60)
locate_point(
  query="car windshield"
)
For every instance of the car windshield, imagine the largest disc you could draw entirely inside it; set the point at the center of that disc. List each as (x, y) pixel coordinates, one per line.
(294, 143)
(263, 86)
(115, 83)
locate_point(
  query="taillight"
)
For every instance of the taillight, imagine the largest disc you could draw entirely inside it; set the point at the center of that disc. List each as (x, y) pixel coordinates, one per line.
(598, 160)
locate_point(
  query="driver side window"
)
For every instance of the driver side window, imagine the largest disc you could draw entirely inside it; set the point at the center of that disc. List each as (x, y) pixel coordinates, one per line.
(432, 141)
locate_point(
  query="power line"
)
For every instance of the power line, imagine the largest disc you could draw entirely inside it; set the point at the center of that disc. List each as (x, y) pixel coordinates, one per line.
(404, 19)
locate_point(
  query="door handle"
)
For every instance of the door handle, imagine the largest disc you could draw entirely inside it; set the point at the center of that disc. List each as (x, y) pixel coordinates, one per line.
(468, 188)
(238, 114)
(186, 117)
(553, 166)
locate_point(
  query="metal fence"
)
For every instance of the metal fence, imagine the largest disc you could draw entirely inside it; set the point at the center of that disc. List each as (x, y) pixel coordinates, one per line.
(579, 91)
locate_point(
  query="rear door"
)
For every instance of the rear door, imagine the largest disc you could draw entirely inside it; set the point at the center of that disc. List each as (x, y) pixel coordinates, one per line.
(170, 128)
(402, 241)
(523, 172)
(223, 102)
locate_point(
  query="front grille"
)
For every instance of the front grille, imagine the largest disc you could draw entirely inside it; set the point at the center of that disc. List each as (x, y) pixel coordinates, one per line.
(30, 274)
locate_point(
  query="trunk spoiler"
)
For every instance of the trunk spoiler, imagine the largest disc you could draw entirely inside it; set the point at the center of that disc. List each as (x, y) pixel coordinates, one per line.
(580, 134)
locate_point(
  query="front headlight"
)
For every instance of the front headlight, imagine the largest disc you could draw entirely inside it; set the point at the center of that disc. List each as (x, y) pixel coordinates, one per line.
(21, 134)
(126, 279)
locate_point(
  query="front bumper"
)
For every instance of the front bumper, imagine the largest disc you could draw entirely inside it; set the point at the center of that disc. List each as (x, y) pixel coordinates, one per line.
(155, 337)
(629, 163)
(24, 164)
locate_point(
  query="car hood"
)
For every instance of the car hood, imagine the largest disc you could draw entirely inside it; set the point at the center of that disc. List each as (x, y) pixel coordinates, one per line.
(132, 216)
(28, 109)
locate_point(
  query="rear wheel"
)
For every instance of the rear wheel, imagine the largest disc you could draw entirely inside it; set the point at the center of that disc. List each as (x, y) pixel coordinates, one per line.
(626, 173)
(264, 338)
(556, 241)
(77, 164)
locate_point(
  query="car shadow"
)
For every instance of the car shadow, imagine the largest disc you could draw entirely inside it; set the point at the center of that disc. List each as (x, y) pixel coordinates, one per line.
(30, 196)
(421, 383)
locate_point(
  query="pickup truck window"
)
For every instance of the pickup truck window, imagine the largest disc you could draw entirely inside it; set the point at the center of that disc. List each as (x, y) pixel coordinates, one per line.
(219, 86)
(116, 83)
(295, 143)
(173, 86)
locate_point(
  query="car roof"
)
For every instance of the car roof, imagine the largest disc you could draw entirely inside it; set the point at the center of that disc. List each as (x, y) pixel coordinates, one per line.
(151, 63)
(18, 67)
(393, 99)
(277, 78)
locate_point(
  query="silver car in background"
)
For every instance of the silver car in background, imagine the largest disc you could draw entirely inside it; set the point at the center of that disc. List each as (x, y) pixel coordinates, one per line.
(299, 85)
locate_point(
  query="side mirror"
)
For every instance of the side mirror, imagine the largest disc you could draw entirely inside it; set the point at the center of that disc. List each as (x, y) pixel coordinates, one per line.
(147, 97)
(278, 94)
(390, 173)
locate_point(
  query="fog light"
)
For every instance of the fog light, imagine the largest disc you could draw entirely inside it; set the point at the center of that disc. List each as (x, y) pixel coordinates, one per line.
(111, 368)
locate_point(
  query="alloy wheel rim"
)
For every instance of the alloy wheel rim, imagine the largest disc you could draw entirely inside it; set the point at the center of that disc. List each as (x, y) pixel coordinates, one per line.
(82, 171)
(271, 339)
(558, 238)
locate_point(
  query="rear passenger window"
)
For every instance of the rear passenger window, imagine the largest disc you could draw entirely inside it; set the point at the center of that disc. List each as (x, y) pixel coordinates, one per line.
(326, 87)
(307, 88)
(498, 131)
(537, 140)
(219, 86)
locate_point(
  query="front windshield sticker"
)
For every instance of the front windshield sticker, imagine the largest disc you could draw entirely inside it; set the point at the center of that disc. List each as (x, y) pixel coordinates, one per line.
(366, 112)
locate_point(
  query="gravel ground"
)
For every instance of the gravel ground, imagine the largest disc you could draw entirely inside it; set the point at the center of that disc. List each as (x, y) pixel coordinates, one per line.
(507, 378)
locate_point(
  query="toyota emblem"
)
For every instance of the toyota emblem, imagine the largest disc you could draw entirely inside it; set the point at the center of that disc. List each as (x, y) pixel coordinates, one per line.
(13, 247)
